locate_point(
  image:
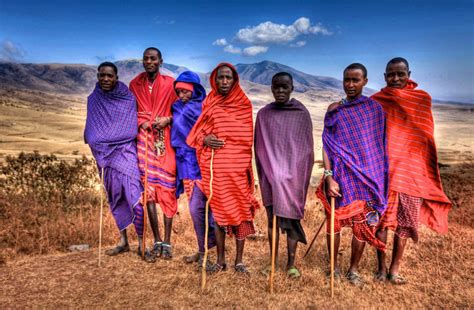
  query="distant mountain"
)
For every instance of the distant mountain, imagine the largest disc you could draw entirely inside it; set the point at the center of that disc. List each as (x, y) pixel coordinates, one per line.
(263, 72)
(58, 78)
(79, 79)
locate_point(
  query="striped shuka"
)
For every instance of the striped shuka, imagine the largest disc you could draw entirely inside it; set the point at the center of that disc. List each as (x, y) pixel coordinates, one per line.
(161, 167)
(229, 118)
(412, 155)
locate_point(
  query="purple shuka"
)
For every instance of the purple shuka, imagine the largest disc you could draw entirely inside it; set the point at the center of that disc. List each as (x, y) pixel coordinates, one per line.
(284, 156)
(354, 140)
(111, 129)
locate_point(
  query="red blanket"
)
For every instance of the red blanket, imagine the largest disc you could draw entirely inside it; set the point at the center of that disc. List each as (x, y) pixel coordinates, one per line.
(230, 119)
(161, 169)
(413, 161)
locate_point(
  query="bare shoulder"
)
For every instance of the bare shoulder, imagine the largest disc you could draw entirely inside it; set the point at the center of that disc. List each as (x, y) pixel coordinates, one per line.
(333, 106)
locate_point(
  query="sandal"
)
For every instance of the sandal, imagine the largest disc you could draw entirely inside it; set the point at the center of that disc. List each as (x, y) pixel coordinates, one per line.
(337, 274)
(119, 249)
(380, 276)
(194, 258)
(293, 273)
(157, 248)
(166, 251)
(209, 264)
(268, 270)
(149, 256)
(396, 279)
(354, 278)
(241, 268)
(217, 268)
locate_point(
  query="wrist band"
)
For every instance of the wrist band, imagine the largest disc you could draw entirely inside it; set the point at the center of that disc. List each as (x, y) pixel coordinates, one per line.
(327, 173)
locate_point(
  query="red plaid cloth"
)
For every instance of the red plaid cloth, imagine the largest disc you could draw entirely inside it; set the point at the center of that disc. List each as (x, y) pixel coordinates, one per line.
(408, 216)
(361, 230)
(241, 231)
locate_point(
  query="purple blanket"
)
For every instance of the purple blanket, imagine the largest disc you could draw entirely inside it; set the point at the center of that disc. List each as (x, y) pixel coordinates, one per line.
(185, 116)
(285, 156)
(111, 129)
(354, 140)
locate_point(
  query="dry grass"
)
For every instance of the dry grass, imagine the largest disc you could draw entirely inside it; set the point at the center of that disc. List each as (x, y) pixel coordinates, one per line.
(438, 268)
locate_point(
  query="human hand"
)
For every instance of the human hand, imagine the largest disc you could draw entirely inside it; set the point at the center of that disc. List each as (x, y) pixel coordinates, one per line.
(333, 188)
(145, 125)
(162, 122)
(212, 142)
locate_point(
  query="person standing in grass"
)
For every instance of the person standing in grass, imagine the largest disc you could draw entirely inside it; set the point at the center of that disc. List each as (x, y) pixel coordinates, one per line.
(186, 111)
(285, 156)
(415, 193)
(111, 130)
(155, 95)
(355, 168)
(225, 129)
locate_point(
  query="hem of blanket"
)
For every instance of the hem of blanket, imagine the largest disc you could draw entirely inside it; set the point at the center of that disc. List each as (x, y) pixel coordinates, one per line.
(433, 214)
(134, 216)
(341, 213)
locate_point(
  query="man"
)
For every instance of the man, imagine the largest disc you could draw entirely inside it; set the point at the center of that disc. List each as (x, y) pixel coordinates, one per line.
(285, 156)
(225, 126)
(186, 111)
(155, 95)
(111, 129)
(355, 167)
(415, 193)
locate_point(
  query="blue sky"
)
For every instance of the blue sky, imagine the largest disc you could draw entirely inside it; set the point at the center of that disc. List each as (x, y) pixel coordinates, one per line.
(317, 37)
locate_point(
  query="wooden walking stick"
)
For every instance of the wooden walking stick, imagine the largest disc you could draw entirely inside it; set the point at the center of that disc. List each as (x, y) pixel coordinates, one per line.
(272, 273)
(101, 212)
(332, 245)
(145, 197)
(314, 238)
(206, 251)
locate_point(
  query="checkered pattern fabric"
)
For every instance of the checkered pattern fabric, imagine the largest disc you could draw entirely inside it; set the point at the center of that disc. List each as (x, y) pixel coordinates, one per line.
(354, 140)
(408, 216)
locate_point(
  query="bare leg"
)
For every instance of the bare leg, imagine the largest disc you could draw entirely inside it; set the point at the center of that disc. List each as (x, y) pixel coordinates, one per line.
(239, 244)
(168, 225)
(292, 244)
(153, 216)
(220, 245)
(140, 242)
(398, 249)
(123, 239)
(382, 235)
(270, 234)
(356, 253)
(337, 239)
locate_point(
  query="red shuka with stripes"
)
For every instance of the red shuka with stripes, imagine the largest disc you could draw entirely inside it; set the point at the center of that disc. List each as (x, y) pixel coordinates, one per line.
(413, 161)
(229, 118)
(161, 169)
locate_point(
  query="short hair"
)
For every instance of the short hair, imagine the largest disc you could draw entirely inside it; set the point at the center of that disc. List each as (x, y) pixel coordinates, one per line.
(153, 49)
(355, 66)
(108, 64)
(397, 60)
(283, 74)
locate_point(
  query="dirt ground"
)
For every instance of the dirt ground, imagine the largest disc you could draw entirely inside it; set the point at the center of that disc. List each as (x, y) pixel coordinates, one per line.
(439, 269)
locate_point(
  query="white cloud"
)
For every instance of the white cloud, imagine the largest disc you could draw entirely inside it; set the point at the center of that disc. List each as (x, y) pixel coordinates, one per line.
(302, 24)
(269, 32)
(231, 49)
(220, 42)
(11, 52)
(298, 44)
(254, 50)
(319, 29)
